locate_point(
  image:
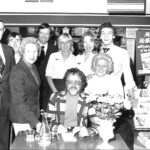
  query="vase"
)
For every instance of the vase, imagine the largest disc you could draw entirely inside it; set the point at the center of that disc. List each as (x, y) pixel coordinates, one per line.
(106, 133)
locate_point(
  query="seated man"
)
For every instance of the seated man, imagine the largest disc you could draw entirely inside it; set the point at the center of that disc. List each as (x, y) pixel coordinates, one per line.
(69, 108)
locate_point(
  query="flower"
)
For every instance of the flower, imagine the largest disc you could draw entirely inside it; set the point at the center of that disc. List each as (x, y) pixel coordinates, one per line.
(107, 106)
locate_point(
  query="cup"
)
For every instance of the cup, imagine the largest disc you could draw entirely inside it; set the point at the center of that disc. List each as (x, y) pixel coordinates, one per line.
(30, 135)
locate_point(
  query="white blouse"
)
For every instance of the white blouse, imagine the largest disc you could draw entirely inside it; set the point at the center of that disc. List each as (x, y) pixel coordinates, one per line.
(102, 85)
(56, 66)
(84, 65)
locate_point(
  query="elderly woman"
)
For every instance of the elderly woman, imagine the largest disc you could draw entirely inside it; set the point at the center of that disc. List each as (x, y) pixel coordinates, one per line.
(102, 81)
(24, 84)
(59, 62)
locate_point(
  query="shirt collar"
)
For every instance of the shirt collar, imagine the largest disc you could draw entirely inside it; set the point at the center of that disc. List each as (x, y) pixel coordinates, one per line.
(2, 53)
(60, 55)
(45, 46)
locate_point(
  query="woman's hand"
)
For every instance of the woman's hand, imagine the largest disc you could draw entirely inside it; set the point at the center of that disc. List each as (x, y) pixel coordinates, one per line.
(38, 127)
(83, 132)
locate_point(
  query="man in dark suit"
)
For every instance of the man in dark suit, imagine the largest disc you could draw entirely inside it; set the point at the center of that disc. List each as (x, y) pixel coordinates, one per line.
(6, 63)
(46, 49)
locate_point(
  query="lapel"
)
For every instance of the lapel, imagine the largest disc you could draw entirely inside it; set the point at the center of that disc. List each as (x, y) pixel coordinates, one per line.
(26, 69)
(50, 49)
(7, 62)
(38, 76)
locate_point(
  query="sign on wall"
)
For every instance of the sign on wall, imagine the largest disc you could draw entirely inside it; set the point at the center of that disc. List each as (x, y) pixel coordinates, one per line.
(143, 52)
(142, 110)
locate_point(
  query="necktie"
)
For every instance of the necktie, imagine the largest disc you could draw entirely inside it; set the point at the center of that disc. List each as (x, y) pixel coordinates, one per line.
(42, 52)
(105, 50)
(1, 66)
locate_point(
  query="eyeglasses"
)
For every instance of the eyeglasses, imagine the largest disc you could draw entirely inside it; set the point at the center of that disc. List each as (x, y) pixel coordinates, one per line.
(73, 82)
(13, 40)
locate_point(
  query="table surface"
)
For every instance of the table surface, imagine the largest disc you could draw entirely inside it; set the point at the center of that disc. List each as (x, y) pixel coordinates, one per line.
(84, 143)
(137, 144)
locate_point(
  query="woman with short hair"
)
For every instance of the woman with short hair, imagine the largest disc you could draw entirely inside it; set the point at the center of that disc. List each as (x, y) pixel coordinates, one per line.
(24, 85)
(59, 62)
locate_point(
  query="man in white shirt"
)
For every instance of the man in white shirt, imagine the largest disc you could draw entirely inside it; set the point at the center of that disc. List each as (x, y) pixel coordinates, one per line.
(121, 61)
(120, 58)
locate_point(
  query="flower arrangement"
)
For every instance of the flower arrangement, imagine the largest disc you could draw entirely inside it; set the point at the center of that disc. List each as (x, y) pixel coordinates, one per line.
(108, 106)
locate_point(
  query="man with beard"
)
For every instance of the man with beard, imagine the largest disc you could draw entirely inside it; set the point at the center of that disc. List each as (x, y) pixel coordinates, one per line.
(69, 109)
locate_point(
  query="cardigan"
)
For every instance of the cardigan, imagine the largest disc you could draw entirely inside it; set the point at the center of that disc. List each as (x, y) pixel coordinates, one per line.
(85, 113)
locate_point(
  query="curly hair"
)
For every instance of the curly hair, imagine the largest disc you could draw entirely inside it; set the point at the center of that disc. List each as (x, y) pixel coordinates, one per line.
(76, 71)
(106, 57)
(81, 41)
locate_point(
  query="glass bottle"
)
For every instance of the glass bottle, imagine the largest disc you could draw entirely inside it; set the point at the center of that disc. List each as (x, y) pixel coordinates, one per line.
(45, 134)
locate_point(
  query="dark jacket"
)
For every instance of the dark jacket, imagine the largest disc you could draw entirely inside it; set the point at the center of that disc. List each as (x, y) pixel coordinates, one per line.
(5, 97)
(24, 106)
(41, 65)
(4, 81)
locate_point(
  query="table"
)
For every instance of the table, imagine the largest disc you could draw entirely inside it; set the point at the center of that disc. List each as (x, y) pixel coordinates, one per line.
(84, 143)
(138, 145)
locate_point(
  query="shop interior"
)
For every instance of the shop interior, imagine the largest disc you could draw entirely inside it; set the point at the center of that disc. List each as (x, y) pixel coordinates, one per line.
(128, 22)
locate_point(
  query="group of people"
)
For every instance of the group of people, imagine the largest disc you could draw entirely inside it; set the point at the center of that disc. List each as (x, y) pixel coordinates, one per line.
(38, 75)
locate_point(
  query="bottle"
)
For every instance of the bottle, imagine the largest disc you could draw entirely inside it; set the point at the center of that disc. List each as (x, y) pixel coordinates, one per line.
(45, 134)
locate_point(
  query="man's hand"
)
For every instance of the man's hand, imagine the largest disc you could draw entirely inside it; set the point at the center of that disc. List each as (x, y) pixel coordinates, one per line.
(83, 132)
(131, 97)
(61, 129)
(131, 94)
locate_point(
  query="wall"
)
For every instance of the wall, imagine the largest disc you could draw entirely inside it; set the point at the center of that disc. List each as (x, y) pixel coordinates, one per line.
(75, 19)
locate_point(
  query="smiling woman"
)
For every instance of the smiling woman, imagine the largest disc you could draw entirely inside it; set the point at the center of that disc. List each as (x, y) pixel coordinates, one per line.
(59, 62)
(103, 82)
(24, 84)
